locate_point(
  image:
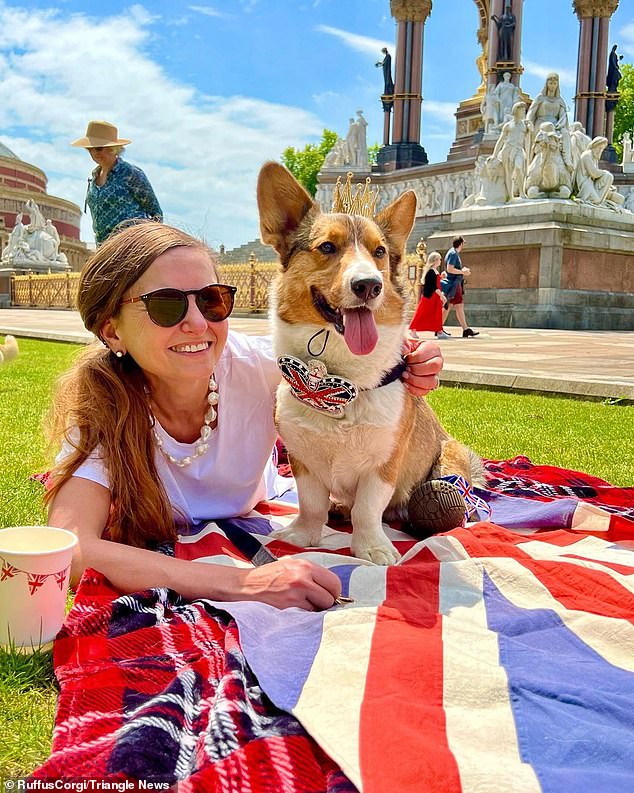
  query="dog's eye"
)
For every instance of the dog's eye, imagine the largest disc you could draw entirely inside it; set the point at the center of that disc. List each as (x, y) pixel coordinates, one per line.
(327, 248)
(380, 252)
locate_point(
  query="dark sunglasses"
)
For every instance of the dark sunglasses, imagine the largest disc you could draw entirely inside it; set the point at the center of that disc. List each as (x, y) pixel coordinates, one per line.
(168, 307)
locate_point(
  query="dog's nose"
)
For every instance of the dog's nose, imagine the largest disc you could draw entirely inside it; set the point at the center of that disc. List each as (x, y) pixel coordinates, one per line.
(366, 288)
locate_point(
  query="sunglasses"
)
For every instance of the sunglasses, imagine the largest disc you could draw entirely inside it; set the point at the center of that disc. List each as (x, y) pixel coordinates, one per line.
(168, 307)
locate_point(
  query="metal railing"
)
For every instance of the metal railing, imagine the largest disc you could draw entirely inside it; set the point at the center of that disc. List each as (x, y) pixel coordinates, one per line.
(253, 280)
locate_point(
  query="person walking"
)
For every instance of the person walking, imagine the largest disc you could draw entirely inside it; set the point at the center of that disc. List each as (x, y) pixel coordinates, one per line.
(117, 190)
(428, 315)
(453, 287)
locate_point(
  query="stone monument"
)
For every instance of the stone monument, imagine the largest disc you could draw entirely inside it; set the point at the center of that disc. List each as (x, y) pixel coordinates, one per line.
(350, 153)
(34, 247)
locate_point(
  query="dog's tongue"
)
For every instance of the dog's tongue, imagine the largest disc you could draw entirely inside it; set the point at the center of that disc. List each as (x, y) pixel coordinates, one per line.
(359, 330)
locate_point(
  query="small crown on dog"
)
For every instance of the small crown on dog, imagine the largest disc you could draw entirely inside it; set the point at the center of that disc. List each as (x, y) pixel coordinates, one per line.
(361, 202)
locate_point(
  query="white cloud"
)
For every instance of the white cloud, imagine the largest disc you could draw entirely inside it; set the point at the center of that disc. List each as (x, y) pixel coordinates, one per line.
(626, 34)
(445, 111)
(364, 44)
(201, 153)
(207, 11)
(566, 76)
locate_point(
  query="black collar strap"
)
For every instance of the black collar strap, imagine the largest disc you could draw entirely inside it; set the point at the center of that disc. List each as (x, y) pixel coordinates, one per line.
(393, 374)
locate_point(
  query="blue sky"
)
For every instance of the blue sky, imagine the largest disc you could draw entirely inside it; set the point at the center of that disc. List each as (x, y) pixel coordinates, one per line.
(208, 91)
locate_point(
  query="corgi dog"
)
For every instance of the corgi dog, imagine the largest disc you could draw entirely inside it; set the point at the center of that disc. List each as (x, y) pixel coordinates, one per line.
(339, 307)
(9, 350)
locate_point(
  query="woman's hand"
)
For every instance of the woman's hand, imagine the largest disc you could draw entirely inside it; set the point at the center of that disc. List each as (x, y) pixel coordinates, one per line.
(292, 582)
(424, 364)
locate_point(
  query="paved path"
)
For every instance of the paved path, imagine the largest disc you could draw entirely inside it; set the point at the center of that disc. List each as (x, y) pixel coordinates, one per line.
(584, 363)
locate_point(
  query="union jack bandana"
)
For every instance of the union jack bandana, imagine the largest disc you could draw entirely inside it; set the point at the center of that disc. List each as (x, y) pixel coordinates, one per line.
(476, 506)
(312, 385)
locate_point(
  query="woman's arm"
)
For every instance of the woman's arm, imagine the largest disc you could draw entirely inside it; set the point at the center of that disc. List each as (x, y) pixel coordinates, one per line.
(82, 507)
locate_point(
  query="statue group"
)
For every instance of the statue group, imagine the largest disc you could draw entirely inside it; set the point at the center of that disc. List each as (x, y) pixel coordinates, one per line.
(350, 152)
(539, 155)
(35, 243)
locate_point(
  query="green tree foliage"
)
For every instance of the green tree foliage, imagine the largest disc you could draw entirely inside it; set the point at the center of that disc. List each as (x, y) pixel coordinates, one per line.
(624, 113)
(306, 163)
(373, 152)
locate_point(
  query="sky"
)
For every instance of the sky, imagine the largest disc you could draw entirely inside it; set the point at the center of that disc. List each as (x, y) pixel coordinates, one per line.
(209, 91)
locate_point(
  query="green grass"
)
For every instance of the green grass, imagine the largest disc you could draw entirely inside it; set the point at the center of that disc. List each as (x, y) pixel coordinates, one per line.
(589, 436)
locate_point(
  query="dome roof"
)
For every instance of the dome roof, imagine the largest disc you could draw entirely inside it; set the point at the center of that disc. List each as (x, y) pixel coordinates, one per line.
(5, 151)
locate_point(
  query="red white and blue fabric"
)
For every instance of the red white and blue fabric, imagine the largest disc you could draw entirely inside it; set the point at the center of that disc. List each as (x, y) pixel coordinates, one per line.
(497, 657)
(476, 507)
(328, 394)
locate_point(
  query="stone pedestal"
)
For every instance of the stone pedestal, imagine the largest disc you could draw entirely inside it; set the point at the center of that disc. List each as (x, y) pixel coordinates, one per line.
(401, 155)
(545, 264)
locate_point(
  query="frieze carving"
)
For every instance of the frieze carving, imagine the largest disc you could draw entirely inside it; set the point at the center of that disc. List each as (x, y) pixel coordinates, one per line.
(410, 10)
(594, 8)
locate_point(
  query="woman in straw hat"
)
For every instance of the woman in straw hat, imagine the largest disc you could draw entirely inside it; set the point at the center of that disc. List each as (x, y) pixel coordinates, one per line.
(117, 191)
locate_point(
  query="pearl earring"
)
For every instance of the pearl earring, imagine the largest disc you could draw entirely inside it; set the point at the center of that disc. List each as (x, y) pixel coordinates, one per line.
(119, 354)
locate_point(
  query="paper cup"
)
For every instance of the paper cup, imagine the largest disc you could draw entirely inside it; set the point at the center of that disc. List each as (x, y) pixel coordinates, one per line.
(34, 574)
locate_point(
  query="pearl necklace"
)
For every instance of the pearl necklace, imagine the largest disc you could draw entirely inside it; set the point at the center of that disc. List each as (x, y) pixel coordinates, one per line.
(201, 445)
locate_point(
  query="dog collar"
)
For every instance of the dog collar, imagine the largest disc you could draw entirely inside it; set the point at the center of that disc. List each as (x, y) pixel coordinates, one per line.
(312, 385)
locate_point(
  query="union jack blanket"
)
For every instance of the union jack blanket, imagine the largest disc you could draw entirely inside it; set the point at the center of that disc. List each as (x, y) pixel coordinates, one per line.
(497, 657)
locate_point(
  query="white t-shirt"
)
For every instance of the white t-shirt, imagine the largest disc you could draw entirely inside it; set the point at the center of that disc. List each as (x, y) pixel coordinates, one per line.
(237, 470)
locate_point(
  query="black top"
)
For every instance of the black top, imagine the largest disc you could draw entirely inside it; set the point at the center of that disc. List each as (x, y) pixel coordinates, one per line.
(430, 284)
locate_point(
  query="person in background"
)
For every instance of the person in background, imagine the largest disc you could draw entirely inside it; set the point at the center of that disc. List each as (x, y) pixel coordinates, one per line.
(428, 315)
(117, 191)
(453, 287)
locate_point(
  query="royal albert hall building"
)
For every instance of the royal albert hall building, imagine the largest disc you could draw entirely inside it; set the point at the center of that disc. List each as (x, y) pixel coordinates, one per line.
(20, 181)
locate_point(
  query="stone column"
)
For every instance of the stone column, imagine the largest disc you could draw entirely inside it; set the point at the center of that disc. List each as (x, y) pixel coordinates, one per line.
(405, 151)
(496, 68)
(594, 20)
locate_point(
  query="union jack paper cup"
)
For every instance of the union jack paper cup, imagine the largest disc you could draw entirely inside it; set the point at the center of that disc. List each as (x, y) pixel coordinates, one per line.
(34, 573)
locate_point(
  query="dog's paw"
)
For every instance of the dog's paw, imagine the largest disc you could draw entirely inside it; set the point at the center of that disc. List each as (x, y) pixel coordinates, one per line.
(299, 535)
(378, 551)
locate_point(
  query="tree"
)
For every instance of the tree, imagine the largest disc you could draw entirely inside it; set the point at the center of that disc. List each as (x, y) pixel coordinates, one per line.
(306, 163)
(624, 113)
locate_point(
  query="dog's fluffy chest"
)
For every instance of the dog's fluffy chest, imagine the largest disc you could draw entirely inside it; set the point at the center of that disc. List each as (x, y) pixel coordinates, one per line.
(338, 451)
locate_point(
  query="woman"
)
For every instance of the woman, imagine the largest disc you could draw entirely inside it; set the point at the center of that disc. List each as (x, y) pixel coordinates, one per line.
(117, 190)
(428, 315)
(171, 423)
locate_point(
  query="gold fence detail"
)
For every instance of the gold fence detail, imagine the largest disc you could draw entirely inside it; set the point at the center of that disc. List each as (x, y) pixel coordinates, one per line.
(253, 280)
(57, 290)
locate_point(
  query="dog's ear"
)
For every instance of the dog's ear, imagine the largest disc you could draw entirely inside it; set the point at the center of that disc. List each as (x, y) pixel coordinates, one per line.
(397, 220)
(283, 204)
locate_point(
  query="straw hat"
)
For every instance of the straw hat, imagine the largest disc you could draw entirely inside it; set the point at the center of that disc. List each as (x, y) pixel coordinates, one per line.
(100, 133)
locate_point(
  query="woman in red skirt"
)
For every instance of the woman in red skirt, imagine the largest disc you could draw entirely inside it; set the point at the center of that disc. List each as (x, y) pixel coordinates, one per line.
(428, 314)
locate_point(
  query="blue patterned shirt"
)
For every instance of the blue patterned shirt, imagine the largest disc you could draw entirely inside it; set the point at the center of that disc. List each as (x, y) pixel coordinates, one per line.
(126, 193)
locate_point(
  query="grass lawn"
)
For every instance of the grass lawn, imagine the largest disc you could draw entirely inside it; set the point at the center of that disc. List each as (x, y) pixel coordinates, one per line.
(594, 437)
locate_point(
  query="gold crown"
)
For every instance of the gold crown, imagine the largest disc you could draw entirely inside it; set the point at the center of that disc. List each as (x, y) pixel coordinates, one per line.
(361, 202)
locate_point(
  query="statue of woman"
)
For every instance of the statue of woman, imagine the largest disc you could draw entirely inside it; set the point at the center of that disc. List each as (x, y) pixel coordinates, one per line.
(507, 95)
(614, 73)
(548, 106)
(506, 30)
(386, 63)
(511, 149)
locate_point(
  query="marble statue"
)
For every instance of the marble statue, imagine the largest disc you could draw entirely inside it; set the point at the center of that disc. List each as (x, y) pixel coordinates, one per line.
(548, 175)
(37, 243)
(357, 142)
(579, 142)
(627, 148)
(492, 189)
(548, 105)
(507, 95)
(338, 156)
(512, 151)
(594, 185)
(489, 108)
(551, 158)
(386, 63)
(614, 73)
(506, 31)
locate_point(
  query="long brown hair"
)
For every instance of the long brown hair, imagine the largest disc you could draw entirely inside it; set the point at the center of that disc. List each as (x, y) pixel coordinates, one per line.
(102, 402)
